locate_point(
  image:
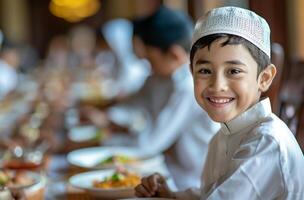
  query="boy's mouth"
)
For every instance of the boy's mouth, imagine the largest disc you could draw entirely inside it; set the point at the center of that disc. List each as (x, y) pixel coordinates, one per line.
(219, 101)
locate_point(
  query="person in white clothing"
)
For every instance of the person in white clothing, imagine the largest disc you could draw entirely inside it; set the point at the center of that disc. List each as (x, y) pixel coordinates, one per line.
(254, 155)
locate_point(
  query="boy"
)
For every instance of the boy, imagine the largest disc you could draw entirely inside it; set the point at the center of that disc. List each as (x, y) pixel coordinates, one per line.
(254, 155)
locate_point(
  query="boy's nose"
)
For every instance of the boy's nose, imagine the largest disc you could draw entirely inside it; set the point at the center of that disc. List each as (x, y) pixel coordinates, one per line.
(218, 83)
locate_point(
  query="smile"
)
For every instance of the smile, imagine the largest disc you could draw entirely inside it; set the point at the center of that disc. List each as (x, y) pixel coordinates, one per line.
(219, 101)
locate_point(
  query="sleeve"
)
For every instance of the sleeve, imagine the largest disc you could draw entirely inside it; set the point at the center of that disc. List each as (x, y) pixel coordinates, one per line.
(135, 118)
(133, 112)
(169, 124)
(259, 175)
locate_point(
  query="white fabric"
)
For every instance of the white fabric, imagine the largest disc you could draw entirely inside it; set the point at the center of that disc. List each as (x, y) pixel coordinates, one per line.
(172, 116)
(254, 156)
(8, 79)
(236, 21)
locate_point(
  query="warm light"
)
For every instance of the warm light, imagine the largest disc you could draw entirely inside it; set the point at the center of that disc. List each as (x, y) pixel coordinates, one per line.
(74, 10)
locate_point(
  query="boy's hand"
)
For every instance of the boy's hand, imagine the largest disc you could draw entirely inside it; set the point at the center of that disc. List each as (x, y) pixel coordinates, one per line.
(153, 186)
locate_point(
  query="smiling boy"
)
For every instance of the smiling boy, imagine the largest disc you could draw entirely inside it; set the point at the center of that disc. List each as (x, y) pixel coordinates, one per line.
(254, 155)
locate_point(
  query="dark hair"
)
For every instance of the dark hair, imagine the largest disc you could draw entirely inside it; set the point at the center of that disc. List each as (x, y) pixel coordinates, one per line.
(165, 28)
(258, 55)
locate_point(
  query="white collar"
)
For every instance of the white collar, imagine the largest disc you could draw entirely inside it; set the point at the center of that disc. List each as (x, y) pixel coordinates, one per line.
(252, 116)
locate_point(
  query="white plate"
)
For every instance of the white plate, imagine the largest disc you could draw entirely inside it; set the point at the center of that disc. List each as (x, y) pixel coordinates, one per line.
(85, 181)
(90, 157)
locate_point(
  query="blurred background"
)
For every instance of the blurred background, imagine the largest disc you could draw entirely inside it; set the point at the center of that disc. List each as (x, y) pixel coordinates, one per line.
(59, 59)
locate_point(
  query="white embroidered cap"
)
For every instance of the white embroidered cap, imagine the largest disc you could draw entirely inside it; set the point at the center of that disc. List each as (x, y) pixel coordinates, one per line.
(235, 21)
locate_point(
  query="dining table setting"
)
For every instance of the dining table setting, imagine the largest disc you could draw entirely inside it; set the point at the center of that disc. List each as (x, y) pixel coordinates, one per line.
(51, 150)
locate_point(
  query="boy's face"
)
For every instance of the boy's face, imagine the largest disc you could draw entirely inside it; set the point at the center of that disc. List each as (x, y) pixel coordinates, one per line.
(225, 80)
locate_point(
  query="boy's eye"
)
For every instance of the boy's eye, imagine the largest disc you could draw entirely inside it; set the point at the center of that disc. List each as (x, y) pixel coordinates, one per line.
(234, 71)
(204, 71)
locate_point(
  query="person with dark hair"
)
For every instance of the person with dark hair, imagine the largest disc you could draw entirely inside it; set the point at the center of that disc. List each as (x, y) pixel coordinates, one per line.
(254, 155)
(164, 111)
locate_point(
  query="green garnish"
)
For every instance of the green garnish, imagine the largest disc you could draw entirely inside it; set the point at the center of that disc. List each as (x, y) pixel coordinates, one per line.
(108, 160)
(117, 176)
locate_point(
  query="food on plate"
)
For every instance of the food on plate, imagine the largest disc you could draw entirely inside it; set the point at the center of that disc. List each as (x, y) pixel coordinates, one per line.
(121, 178)
(117, 159)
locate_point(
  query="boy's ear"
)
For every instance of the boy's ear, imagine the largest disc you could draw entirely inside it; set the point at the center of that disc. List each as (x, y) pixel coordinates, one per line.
(266, 76)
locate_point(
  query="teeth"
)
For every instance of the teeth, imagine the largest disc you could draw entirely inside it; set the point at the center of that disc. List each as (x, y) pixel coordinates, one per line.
(223, 100)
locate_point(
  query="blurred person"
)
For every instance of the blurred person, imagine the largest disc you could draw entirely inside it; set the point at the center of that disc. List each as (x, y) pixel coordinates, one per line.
(163, 114)
(57, 53)
(82, 42)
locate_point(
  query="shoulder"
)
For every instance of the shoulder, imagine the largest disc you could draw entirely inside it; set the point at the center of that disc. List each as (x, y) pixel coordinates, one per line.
(277, 131)
(270, 129)
(271, 140)
(268, 135)
(272, 126)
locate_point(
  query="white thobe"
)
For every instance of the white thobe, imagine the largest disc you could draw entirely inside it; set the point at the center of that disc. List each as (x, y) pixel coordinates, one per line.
(254, 156)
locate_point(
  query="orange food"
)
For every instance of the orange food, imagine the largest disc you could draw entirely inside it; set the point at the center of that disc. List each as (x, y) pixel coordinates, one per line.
(119, 179)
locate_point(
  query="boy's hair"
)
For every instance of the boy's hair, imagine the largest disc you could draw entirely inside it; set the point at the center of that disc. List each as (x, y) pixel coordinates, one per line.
(164, 28)
(258, 55)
